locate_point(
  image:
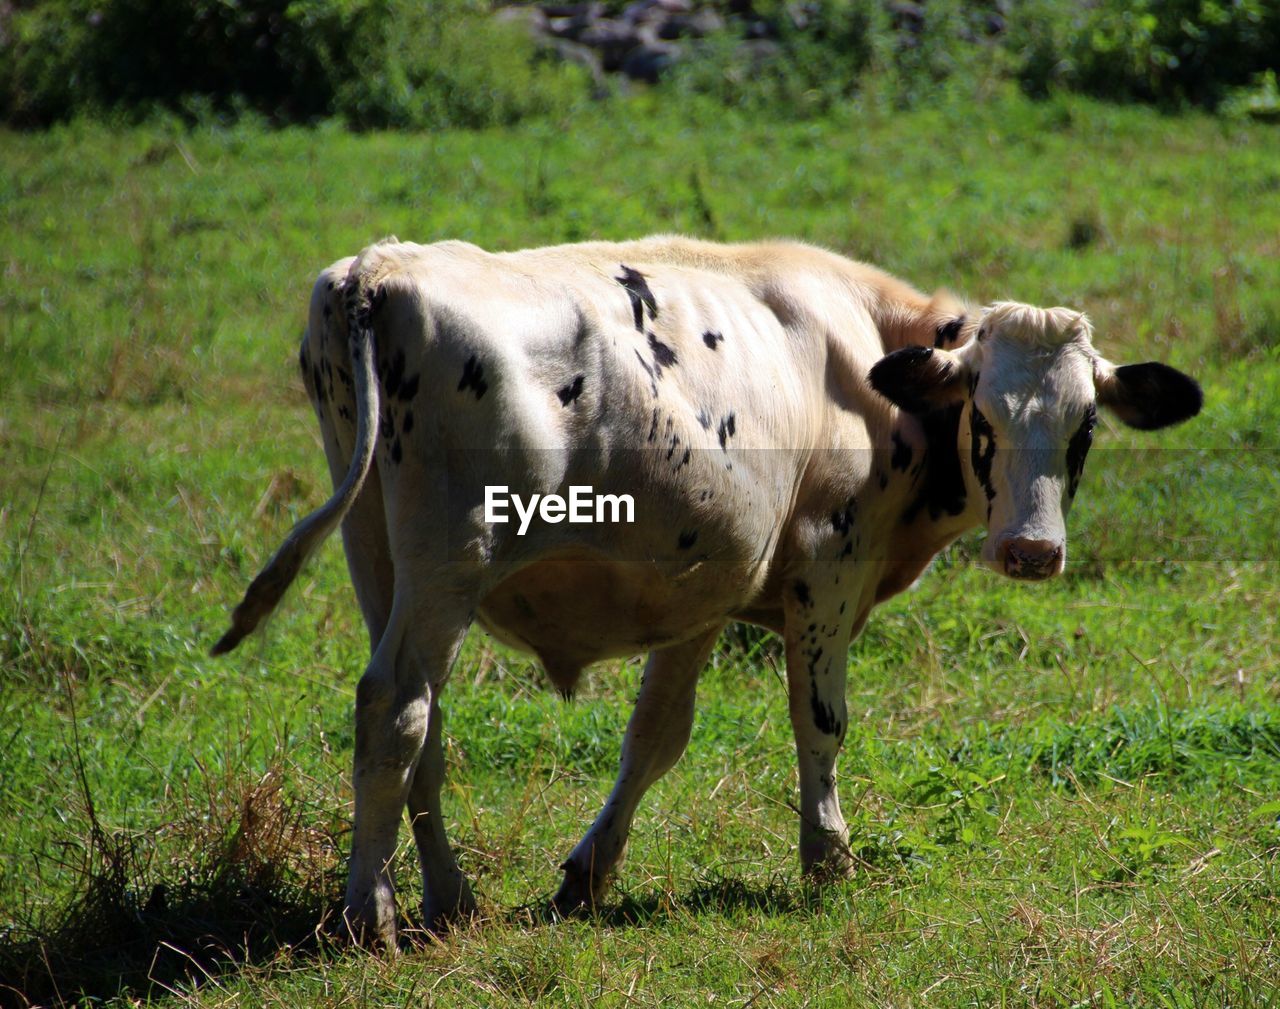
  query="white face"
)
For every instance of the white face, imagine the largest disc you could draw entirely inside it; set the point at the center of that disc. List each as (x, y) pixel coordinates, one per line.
(1026, 431)
(1030, 383)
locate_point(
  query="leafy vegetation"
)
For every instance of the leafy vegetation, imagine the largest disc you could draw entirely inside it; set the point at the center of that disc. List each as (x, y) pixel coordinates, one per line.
(1058, 795)
(373, 63)
(379, 64)
(1169, 52)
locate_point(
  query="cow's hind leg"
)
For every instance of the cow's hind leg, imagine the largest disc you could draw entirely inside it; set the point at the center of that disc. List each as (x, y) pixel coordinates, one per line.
(394, 702)
(446, 894)
(656, 737)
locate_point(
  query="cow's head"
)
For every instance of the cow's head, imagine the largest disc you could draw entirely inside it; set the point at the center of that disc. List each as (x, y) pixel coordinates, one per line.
(1030, 383)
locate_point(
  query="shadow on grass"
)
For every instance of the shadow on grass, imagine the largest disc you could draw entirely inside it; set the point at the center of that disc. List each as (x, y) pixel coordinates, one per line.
(103, 948)
(242, 878)
(722, 895)
(109, 945)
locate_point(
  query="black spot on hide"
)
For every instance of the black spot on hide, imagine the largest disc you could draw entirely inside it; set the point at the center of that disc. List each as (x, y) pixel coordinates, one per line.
(395, 373)
(901, 458)
(942, 489)
(1078, 448)
(824, 716)
(641, 297)
(982, 450)
(473, 377)
(571, 391)
(728, 427)
(663, 356)
(653, 375)
(842, 521)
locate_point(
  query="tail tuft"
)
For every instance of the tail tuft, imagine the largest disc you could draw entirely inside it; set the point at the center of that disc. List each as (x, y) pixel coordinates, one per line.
(228, 641)
(263, 594)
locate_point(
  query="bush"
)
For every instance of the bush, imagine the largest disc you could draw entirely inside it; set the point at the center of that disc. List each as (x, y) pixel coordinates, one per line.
(814, 55)
(1172, 52)
(414, 64)
(377, 63)
(445, 64)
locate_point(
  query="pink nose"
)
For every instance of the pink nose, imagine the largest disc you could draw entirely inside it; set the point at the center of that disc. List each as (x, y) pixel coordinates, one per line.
(1031, 560)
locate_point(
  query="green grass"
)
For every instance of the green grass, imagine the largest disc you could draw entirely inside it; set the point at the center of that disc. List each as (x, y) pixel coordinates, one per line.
(1059, 795)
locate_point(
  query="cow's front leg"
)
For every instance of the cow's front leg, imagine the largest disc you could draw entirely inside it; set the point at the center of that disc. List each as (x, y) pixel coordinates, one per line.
(656, 737)
(817, 639)
(394, 701)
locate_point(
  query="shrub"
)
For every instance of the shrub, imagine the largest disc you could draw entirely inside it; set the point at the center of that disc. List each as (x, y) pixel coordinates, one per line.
(410, 64)
(824, 51)
(377, 63)
(1171, 52)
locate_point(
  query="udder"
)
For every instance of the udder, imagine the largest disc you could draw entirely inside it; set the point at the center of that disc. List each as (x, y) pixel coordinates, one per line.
(572, 612)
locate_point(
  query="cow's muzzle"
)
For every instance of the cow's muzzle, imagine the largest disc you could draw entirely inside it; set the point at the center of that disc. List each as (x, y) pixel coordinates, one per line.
(1031, 560)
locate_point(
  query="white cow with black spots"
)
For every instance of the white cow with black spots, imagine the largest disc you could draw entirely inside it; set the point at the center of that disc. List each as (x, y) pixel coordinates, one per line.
(800, 433)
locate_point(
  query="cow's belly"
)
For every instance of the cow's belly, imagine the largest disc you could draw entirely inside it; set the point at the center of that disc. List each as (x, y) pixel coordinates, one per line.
(571, 612)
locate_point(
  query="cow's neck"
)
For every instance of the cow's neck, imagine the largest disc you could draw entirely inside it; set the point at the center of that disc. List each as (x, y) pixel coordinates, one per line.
(938, 500)
(906, 323)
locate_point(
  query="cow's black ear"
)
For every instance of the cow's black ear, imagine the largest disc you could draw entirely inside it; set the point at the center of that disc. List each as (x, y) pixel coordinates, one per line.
(1149, 396)
(919, 379)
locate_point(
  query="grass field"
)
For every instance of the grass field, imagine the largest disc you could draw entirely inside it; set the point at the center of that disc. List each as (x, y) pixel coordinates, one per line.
(1060, 795)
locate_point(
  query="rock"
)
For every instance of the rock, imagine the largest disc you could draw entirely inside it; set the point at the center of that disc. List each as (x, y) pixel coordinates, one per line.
(647, 61)
(695, 25)
(612, 40)
(579, 18)
(907, 16)
(573, 10)
(530, 18)
(649, 12)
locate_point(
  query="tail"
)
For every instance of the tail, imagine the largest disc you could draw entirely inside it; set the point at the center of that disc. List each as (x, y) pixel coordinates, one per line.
(266, 590)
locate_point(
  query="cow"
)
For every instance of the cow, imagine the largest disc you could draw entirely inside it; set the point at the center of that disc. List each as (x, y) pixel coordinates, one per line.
(800, 434)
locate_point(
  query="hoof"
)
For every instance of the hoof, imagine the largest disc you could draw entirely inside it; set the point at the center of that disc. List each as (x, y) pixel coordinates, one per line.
(370, 918)
(826, 858)
(828, 872)
(579, 892)
(371, 935)
(438, 919)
